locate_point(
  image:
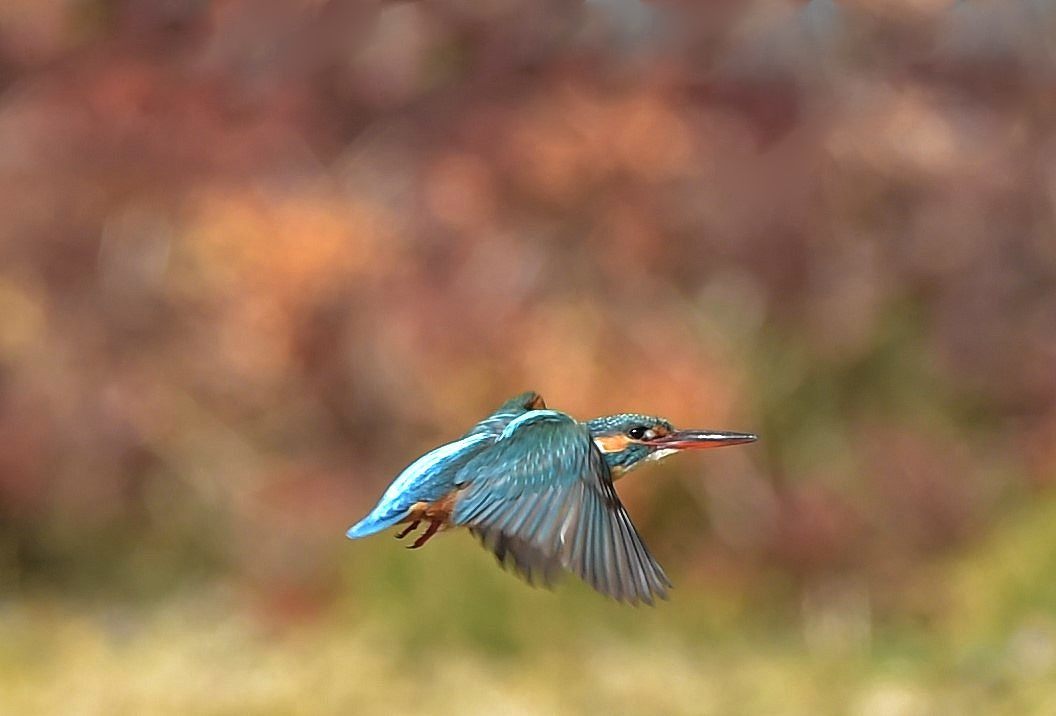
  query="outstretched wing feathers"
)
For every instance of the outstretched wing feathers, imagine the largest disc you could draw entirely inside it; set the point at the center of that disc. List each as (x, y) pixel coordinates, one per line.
(541, 498)
(521, 557)
(508, 411)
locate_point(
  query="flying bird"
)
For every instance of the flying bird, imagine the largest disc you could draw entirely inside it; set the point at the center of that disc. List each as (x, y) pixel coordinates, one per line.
(536, 487)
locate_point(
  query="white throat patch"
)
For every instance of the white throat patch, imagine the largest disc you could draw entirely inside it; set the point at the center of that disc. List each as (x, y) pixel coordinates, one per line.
(660, 454)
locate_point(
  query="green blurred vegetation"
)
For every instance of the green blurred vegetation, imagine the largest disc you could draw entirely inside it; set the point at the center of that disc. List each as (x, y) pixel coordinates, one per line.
(257, 255)
(498, 647)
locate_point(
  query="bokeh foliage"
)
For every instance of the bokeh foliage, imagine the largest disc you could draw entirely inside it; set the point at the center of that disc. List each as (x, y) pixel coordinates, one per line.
(256, 255)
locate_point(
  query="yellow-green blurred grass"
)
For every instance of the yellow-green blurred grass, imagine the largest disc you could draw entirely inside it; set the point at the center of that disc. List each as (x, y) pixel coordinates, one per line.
(451, 634)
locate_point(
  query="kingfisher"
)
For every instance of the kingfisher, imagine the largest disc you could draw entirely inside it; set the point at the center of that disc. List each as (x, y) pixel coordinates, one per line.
(535, 486)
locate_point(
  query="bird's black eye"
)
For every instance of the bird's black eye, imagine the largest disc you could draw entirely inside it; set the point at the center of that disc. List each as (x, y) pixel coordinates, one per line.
(637, 432)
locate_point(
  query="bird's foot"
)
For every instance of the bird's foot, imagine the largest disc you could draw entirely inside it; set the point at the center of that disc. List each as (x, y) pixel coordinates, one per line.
(429, 532)
(410, 528)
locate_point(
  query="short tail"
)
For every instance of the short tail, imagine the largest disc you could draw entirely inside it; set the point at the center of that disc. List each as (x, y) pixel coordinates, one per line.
(373, 523)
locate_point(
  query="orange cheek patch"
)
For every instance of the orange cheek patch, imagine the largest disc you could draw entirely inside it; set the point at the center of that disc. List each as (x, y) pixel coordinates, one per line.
(612, 443)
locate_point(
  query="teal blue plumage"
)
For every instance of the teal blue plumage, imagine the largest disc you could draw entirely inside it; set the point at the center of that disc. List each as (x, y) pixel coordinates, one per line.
(432, 476)
(536, 487)
(542, 499)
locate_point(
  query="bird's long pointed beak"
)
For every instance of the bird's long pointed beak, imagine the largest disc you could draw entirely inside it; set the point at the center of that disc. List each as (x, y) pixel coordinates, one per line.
(698, 439)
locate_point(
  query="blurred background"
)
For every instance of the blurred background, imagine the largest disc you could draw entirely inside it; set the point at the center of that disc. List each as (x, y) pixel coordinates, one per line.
(257, 255)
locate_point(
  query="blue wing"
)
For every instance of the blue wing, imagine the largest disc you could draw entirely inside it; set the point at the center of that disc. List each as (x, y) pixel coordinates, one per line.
(541, 498)
(432, 476)
(516, 406)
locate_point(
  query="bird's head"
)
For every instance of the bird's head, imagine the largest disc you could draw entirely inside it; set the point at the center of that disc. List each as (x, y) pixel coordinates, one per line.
(628, 440)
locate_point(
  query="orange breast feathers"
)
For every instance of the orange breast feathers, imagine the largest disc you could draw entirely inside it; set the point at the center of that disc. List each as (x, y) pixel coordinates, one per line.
(439, 511)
